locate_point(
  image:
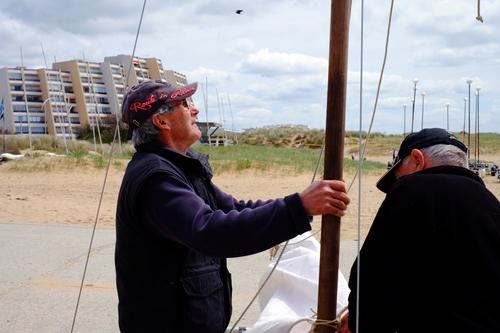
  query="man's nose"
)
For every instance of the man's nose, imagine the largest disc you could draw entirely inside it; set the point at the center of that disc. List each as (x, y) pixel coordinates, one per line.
(194, 110)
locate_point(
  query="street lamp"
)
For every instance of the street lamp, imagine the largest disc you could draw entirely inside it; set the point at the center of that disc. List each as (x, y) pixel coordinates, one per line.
(45, 114)
(415, 81)
(68, 117)
(423, 98)
(448, 117)
(465, 112)
(477, 123)
(468, 134)
(404, 120)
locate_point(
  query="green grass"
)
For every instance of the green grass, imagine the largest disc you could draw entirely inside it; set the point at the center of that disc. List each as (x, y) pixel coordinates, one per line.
(268, 156)
(264, 158)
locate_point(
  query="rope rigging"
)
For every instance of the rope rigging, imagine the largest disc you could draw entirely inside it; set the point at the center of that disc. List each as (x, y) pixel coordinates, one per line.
(358, 173)
(117, 127)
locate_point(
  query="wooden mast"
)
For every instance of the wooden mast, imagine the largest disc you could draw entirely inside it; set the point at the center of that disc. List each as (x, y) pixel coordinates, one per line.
(334, 154)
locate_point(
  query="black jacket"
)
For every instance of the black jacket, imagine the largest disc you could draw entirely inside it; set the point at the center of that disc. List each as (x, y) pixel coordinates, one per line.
(431, 260)
(174, 228)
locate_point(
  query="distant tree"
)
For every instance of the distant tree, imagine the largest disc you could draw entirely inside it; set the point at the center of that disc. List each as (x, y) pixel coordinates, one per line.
(107, 126)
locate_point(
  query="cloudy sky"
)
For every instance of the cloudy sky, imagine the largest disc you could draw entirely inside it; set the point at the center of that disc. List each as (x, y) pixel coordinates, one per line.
(269, 64)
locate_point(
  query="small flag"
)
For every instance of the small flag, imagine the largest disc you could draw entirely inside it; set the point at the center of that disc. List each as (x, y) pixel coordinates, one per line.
(2, 110)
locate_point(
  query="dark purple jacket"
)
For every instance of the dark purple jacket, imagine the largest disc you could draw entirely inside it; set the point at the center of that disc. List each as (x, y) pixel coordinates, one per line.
(174, 229)
(431, 261)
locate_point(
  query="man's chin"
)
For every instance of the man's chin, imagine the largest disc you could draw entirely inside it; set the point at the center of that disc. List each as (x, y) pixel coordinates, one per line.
(198, 133)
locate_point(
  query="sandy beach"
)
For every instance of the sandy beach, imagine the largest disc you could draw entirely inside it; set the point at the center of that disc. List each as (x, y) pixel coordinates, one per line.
(46, 220)
(72, 196)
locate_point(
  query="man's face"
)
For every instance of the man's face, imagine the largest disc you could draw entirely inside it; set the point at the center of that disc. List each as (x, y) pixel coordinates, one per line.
(182, 121)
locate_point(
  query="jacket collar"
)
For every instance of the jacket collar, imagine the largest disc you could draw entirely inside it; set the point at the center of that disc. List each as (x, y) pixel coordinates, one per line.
(450, 170)
(191, 159)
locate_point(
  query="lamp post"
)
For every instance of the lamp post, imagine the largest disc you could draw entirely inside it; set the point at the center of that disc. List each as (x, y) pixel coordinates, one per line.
(45, 114)
(448, 117)
(477, 123)
(468, 134)
(415, 81)
(68, 117)
(404, 120)
(465, 112)
(423, 98)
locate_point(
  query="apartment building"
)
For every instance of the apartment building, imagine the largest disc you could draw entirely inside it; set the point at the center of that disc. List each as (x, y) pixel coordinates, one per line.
(141, 69)
(90, 92)
(21, 94)
(73, 93)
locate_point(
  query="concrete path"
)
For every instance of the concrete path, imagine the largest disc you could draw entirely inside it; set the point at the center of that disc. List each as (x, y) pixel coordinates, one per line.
(42, 266)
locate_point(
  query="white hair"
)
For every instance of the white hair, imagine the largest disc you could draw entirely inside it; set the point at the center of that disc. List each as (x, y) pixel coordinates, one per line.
(443, 154)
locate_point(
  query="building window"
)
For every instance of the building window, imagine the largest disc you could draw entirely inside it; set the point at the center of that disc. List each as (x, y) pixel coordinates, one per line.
(33, 119)
(34, 130)
(37, 120)
(31, 98)
(57, 98)
(31, 78)
(33, 88)
(20, 119)
(55, 87)
(15, 76)
(102, 100)
(100, 90)
(38, 130)
(19, 108)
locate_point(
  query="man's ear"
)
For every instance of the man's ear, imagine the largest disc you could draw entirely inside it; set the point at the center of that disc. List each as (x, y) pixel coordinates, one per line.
(419, 160)
(160, 122)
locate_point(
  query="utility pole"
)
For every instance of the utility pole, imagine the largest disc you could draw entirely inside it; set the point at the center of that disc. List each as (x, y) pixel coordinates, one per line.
(423, 99)
(448, 117)
(477, 123)
(404, 120)
(465, 113)
(468, 134)
(415, 81)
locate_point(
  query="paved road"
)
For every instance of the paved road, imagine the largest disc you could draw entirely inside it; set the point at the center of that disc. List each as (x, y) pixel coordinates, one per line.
(41, 269)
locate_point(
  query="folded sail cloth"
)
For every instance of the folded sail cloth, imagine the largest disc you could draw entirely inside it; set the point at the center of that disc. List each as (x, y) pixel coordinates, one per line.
(292, 291)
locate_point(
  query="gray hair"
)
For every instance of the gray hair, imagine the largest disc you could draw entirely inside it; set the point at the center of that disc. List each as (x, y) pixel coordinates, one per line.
(446, 155)
(442, 154)
(148, 132)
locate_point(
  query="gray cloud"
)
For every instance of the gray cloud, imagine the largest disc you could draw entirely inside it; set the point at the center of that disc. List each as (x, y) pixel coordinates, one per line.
(73, 16)
(272, 59)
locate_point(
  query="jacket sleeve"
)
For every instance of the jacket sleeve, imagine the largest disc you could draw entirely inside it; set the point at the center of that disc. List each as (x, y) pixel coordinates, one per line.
(170, 208)
(227, 202)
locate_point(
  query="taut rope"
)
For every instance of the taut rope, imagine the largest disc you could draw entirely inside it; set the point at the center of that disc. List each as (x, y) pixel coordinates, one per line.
(104, 183)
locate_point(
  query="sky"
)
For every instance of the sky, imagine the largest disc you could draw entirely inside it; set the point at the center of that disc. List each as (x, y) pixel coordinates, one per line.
(269, 64)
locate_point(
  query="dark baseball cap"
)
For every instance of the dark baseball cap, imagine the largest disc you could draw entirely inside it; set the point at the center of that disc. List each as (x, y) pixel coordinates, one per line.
(144, 99)
(419, 140)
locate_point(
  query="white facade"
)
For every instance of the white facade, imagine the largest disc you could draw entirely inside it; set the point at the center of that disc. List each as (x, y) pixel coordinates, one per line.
(73, 93)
